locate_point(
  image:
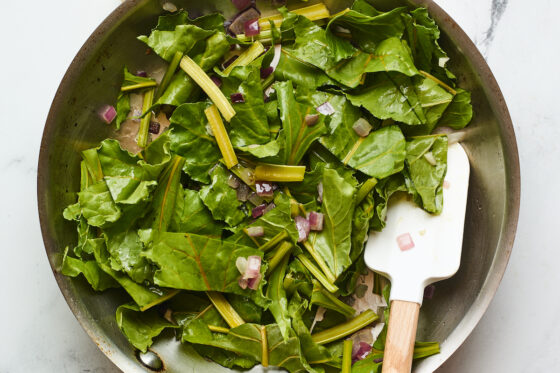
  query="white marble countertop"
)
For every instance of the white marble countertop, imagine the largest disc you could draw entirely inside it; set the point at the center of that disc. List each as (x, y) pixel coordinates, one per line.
(519, 333)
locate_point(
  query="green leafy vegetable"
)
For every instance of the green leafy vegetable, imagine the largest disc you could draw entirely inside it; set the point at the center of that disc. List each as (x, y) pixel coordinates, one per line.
(221, 199)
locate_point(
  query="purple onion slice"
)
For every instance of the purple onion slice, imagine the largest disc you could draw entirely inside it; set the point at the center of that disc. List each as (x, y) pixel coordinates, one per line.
(302, 225)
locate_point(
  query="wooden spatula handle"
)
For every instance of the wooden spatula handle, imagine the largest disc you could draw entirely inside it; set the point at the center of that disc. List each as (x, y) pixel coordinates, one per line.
(401, 333)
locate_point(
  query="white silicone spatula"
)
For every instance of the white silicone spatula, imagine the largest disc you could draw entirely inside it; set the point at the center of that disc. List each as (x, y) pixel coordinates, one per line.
(414, 250)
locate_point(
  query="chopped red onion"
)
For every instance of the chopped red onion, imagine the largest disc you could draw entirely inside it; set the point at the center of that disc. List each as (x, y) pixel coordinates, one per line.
(255, 231)
(233, 182)
(170, 7)
(405, 241)
(430, 158)
(252, 27)
(277, 55)
(243, 283)
(320, 192)
(242, 4)
(266, 71)
(258, 211)
(238, 23)
(108, 113)
(253, 267)
(302, 225)
(237, 98)
(243, 192)
(217, 81)
(255, 199)
(362, 127)
(360, 351)
(378, 360)
(264, 188)
(311, 119)
(326, 109)
(253, 283)
(429, 291)
(315, 221)
(154, 128)
(230, 61)
(241, 264)
(269, 207)
(142, 73)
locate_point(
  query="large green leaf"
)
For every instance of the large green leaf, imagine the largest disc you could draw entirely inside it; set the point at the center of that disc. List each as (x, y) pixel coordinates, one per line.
(140, 328)
(459, 112)
(192, 262)
(298, 136)
(360, 225)
(167, 42)
(333, 243)
(98, 279)
(426, 178)
(434, 100)
(221, 199)
(300, 73)
(192, 216)
(190, 139)
(96, 205)
(390, 96)
(383, 191)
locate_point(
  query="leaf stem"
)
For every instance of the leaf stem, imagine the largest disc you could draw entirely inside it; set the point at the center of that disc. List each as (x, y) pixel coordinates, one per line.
(284, 249)
(221, 135)
(225, 309)
(132, 87)
(430, 76)
(145, 121)
(218, 329)
(334, 303)
(345, 329)
(264, 344)
(171, 68)
(280, 173)
(208, 86)
(245, 58)
(320, 262)
(274, 241)
(317, 273)
(313, 13)
(364, 190)
(347, 356)
(265, 36)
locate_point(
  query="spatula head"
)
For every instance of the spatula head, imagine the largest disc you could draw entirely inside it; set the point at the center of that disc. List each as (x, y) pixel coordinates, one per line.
(430, 245)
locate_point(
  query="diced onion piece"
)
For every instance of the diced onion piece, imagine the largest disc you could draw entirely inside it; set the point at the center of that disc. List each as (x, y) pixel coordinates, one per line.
(253, 283)
(237, 24)
(258, 211)
(245, 58)
(154, 128)
(277, 55)
(360, 351)
(430, 158)
(170, 7)
(242, 4)
(405, 241)
(429, 291)
(237, 98)
(320, 192)
(315, 221)
(266, 72)
(362, 127)
(241, 264)
(326, 109)
(255, 231)
(302, 225)
(243, 283)
(108, 113)
(311, 119)
(216, 80)
(251, 27)
(221, 135)
(208, 86)
(233, 182)
(253, 267)
(142, 74)
(279, 173)
(264, 188)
